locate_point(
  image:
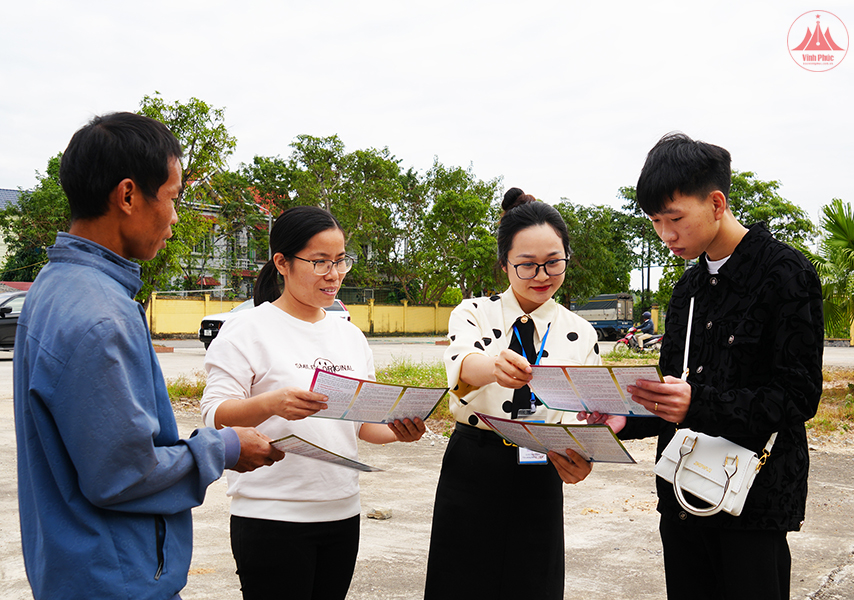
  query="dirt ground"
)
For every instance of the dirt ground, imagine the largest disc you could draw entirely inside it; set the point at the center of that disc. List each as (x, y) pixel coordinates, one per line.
(612, 546)
(611, 528)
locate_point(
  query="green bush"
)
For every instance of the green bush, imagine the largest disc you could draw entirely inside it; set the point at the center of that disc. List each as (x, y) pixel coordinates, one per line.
(452, 297)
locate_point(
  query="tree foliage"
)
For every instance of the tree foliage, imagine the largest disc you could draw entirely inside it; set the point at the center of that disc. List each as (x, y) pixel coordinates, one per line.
(458, 246)
(233, 225)
(646, 246)
(408, 213)
(269, 179)
(364, 207)
(360, 188)
(201, 130)
(430, 235)
(834, 263)
(601, 261)
(753, 200)
(31, 225)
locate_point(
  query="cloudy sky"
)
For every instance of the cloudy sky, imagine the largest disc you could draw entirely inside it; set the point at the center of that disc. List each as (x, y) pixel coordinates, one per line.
(563, 99)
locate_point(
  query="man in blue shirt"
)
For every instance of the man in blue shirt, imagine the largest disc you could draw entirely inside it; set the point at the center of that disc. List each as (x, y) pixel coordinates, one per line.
(105, 484)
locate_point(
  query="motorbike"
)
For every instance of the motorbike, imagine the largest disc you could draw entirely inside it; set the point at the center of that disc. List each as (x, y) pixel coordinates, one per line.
(649, 344)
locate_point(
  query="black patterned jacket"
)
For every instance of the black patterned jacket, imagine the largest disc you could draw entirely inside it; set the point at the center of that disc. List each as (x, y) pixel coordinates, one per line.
(755, 368)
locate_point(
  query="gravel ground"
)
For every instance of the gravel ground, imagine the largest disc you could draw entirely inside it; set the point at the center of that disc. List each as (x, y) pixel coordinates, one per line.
(611, 527)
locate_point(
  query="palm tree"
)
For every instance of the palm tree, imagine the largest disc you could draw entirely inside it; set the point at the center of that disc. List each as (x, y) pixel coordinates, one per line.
(835, 266)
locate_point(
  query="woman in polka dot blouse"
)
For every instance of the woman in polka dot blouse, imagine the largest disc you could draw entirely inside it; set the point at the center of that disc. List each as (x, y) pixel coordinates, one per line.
(498, 524)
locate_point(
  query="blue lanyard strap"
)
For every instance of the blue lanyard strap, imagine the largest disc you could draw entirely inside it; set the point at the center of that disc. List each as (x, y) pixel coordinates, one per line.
(539, 355)
(542, 344)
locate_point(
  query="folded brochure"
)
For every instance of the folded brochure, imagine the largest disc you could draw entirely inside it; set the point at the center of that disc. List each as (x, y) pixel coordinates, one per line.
(293, 444)
(591, 388)
(367, 401)
(595, 443)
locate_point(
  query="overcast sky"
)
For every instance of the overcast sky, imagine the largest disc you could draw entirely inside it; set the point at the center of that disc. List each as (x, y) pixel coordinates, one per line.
(562, 99)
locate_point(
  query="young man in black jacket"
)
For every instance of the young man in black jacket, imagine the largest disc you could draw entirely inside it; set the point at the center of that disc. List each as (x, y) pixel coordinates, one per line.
(754, 366)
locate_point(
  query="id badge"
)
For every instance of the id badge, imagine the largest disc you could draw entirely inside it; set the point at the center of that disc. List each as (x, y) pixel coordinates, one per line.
(526, 456)
(529, 457)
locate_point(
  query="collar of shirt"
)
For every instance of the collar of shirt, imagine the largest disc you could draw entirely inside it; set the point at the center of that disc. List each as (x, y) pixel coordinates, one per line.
(742, 261)
(81, 251)
(511, 311)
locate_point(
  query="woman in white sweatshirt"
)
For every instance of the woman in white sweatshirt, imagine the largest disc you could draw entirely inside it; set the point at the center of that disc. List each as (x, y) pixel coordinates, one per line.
(294, 524)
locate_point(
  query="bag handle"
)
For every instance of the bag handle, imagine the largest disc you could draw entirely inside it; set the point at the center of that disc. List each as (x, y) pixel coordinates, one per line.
(730, 467)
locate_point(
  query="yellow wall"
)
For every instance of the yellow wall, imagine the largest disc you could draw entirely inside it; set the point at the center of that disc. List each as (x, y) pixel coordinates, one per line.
(168, 316)
(183, 315)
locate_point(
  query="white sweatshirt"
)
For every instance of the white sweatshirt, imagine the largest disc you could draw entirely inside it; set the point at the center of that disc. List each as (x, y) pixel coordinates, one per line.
(264, 349)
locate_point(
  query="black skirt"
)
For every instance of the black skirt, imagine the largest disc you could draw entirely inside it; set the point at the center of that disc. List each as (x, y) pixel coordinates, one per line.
(497, 525)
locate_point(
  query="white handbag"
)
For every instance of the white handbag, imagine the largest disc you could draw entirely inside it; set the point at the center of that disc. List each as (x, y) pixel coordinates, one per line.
(711, 468)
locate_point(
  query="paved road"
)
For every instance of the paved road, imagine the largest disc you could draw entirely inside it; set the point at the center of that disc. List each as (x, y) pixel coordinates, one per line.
(613, 550)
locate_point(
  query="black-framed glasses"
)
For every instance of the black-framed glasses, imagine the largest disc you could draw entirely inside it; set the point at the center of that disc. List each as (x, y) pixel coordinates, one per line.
(323, 267)
(529, 270)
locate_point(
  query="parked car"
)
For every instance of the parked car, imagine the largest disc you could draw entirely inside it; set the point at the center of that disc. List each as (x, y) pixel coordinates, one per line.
(211, 324)
(339, 310)
(11, 304)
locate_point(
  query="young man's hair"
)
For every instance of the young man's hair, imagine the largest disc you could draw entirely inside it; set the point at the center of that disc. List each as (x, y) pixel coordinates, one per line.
(679, 164)
(111, 148)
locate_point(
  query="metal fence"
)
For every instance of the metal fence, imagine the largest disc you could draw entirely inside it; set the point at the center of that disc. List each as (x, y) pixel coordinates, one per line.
(362, 295)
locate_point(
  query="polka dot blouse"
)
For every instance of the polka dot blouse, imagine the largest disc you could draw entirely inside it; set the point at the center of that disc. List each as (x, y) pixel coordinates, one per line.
(485, 326)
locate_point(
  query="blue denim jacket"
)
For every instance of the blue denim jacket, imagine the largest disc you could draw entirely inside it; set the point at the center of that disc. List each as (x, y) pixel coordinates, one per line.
(105, 485)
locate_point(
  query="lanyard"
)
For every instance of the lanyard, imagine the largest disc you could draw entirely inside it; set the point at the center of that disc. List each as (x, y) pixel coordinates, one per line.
(539, 355)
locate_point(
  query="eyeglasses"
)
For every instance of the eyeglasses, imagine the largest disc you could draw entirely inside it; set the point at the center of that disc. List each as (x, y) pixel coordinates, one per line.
(323, 267)
(529, 270)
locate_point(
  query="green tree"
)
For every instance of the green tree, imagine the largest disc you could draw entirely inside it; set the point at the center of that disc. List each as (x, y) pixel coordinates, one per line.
(408, 215)
(601, 260)
(646, 246)
(369, 192)
(753, 200)
(458, 244)
(237, 228)
(317, 170)
(360, 188)
(269, 177)
(201, 130)
(835, 266)
(30, 226)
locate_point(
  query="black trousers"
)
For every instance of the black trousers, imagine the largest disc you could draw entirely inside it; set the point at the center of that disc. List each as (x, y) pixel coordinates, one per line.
(297, 561)
(497, 525)
(706, 563)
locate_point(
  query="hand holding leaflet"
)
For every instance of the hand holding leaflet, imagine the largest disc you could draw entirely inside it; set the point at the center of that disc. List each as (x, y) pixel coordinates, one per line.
(591, 389)
(595, 443)
(367, 401)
